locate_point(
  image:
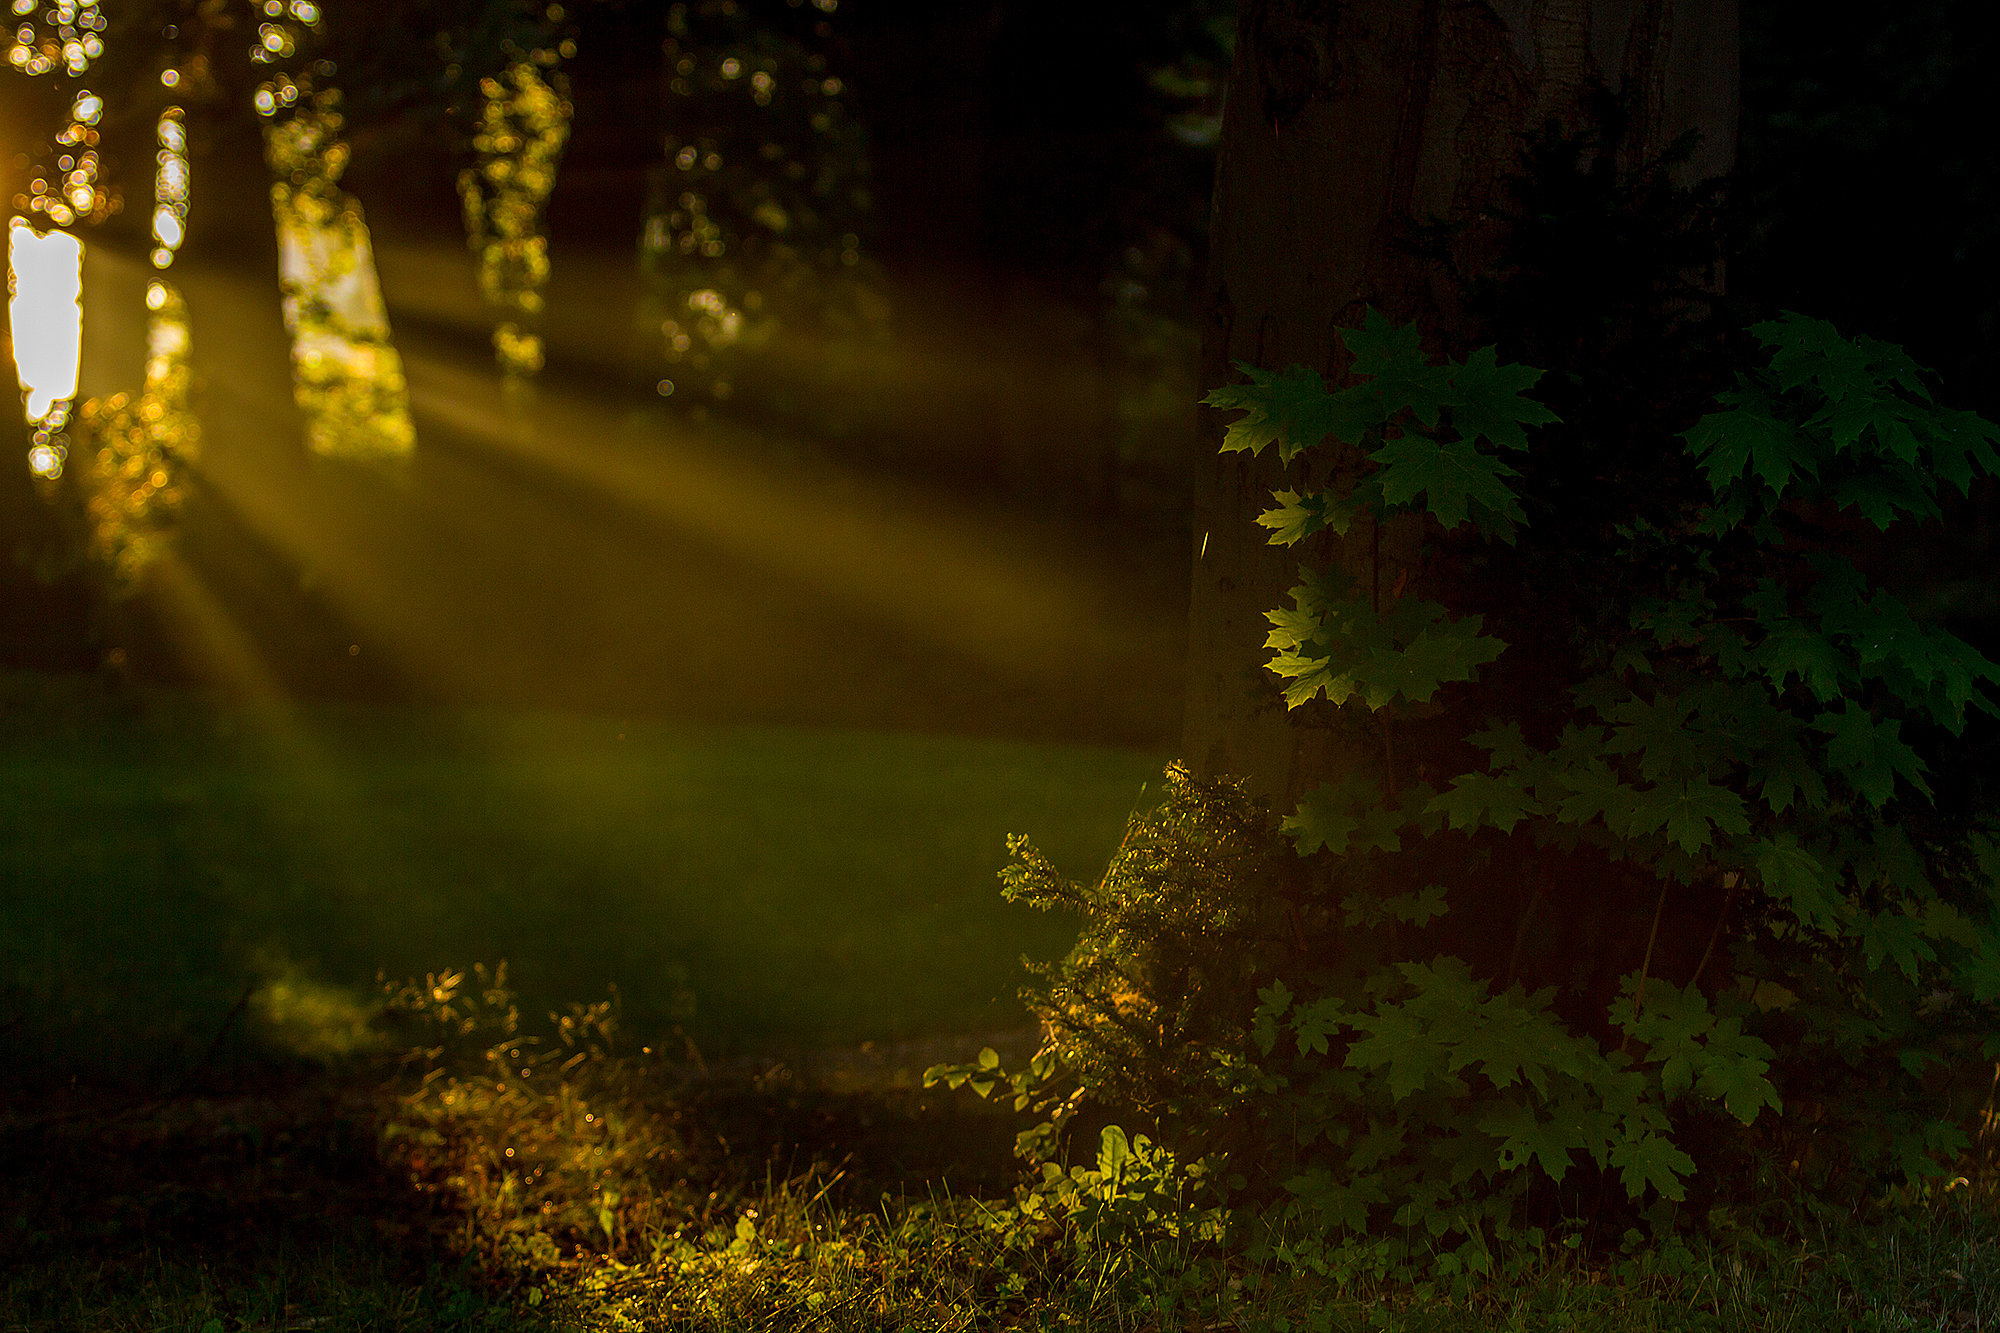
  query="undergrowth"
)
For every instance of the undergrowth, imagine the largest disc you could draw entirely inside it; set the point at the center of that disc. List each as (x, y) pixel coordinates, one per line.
(615, 1188)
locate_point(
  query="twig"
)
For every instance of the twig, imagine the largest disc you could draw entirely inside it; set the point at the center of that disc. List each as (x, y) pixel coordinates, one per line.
(221, 1035)
(1733, 879)
(152, 1104)
(1646, 964)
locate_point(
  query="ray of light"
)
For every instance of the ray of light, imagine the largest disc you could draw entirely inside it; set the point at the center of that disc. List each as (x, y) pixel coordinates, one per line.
(934, 569)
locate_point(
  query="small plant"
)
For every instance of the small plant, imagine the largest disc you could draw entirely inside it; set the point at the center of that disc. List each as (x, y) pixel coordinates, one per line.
(546, 1144)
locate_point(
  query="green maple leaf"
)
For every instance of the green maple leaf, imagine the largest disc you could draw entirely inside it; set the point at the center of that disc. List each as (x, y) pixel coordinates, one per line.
(1297, 517)
(1485, 800)
(1870, 754)
(1881, 495)
(1655, 1161)
(1979, 971)
(1587, 789)
(1345, 813)
(1752, 436)
(1960, 446)
(1487, 401)
(1898, 937)
(1886, 361)
(1290, 408)
(1525, 1137)
(1454, 476)
(1504, 744)
(1399, 378)
(1797, 878)
(1734, 1071)
(1399, 1042)
(1788, 772)
(1342, 647)
(1438, 655)
(1513, 1043)
(1792, 647)
(1695, 806)
(1811, 351)
(1885, 416)
(1657, 730)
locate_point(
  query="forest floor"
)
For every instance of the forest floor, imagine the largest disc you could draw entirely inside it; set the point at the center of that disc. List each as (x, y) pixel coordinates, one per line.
(643, 1194)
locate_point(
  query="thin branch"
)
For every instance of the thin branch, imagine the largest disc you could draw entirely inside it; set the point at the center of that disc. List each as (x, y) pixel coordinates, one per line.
(1646, 964)
(1733, 879)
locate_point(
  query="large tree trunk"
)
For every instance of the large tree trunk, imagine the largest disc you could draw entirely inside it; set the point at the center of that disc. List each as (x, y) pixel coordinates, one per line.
(1349, 125)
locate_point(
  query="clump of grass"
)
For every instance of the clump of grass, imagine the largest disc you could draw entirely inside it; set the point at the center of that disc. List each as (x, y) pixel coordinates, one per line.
(644, 1192)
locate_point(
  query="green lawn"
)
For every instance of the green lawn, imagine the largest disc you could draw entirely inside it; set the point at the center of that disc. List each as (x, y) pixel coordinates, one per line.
(161, 856)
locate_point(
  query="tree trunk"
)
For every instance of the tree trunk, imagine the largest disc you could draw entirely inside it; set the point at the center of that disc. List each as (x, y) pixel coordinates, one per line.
(1350, 126)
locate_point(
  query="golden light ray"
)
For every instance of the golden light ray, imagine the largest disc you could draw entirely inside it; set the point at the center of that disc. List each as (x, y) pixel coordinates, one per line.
(941, 571)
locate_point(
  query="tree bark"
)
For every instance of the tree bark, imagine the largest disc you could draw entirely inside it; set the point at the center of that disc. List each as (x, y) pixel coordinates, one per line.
(1351, 126)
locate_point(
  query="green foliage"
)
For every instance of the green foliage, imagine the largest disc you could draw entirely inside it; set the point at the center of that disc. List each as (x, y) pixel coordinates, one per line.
(1741, 733)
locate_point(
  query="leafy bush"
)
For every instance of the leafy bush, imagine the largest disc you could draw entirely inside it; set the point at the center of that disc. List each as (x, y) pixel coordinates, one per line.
(1575, 925)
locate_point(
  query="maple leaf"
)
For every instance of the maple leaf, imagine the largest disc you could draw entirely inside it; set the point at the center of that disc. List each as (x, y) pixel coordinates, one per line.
(1526, 1137)
(1695, 806)
(1796, 877)
(1897, 937)
(1657, 731)
(1453, 475)
(1398, 1041)
(1811, 351)
(1477, 800)
(1331, 814)
(1655, 1161)
(1882, 494)
(1752, 436)
(1790, 648)
(1315, 1021)
(1290, 408)
(1440, 654)
(1487, 401)
(1734, 1071)
(1960, 445)
(1399, 378)
(1297, 517)
(1870, 754)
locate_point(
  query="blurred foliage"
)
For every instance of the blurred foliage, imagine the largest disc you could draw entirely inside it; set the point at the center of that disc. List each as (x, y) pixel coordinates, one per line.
(347, 375)
(143, 449)
(753, 223)
(522, 129)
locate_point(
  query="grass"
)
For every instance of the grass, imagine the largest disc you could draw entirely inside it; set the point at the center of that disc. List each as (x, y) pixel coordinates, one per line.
(632, 1192)
(484, 1181)
(197, 898)
(164, 857)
